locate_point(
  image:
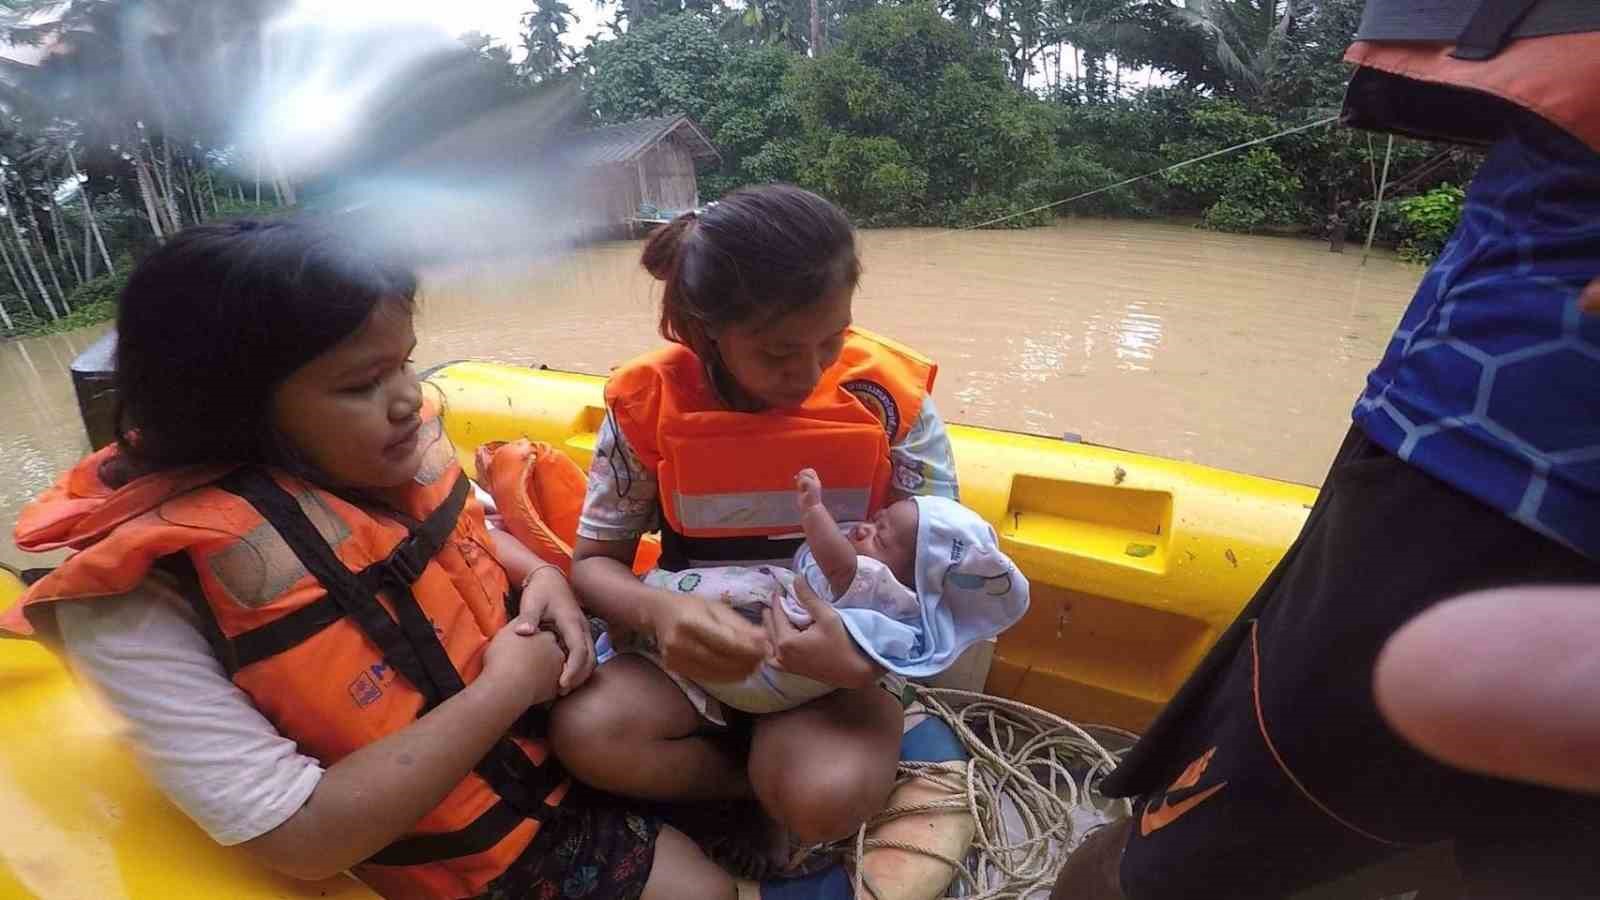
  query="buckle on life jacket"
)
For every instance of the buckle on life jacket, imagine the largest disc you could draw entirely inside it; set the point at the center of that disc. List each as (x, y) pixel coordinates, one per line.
(404, 565)
(400, 568)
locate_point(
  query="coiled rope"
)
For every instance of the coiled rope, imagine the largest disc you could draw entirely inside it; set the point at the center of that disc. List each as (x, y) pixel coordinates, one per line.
(1029, 770)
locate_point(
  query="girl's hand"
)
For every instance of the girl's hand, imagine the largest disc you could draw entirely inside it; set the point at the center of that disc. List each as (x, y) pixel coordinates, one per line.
(548, 598)
(706, 641)
(524, 661)
(822, 651)
(808, 488)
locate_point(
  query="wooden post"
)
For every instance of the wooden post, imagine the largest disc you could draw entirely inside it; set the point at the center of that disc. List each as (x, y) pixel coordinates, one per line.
(1377, 208)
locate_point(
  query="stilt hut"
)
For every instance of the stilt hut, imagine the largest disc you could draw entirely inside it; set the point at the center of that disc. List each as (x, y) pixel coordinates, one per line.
(641, 171)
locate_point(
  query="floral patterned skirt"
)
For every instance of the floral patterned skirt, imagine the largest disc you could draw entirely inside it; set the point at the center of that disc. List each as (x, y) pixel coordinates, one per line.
(597, 847)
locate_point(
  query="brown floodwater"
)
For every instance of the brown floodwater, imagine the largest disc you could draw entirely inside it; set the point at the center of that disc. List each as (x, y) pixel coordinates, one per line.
(1239, 352)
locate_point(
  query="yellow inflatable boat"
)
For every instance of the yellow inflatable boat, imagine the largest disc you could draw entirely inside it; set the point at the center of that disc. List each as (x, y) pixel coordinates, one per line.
(1137, 563)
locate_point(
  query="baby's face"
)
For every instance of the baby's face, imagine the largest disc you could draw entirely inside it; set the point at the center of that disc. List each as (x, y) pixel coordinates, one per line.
(890, 537)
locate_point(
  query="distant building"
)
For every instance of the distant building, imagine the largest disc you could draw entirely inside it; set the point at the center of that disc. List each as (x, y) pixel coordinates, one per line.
(641, 171)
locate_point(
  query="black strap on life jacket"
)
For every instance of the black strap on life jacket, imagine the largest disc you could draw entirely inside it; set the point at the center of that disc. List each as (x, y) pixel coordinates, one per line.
(1490, 28)
(410, 646)
(183, 572)
(679, 552)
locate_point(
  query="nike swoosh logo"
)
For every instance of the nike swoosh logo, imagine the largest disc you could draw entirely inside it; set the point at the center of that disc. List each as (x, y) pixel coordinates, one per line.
(1157, 818)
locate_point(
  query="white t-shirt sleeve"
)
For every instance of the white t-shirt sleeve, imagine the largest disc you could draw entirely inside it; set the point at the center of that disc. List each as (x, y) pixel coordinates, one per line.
(491, 512)
(198, 735)
(623, 500)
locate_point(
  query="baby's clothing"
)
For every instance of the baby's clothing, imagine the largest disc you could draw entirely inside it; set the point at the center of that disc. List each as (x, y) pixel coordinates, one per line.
(893, 621)
(967, 591)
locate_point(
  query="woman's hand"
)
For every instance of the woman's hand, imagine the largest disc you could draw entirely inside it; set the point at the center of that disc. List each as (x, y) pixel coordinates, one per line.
(524, 661)
(704, 640)
(378, 793)
(548, 598)
(822, 651)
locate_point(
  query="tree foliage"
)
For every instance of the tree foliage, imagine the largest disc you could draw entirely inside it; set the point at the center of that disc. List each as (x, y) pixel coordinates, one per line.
(668, 64)
(546, 54)
(922, 114)
(935, 112)
(1428, 221)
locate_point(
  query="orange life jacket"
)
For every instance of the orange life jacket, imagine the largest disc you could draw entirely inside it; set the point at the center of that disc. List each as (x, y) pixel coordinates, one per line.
(726, 479)
(539, 492)
(343, 625)
(1459, 72)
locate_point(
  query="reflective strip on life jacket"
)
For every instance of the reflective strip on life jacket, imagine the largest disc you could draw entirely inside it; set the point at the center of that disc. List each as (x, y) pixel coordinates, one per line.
(412, 648)
(765, 509)
(283, 634)
(726, 478)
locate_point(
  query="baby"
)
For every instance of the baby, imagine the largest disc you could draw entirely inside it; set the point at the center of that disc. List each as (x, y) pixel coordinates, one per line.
(916, 585)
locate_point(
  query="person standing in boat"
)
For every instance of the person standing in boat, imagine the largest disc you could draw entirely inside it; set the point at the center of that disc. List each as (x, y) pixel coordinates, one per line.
(1474, 463)
(283, 585)
(764, 376)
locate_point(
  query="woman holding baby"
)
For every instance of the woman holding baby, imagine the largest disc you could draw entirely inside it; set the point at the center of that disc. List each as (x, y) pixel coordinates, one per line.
(763, 377)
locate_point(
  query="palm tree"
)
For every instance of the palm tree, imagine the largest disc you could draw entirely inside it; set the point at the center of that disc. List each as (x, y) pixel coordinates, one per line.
(141, 78)
(63, 241)
(542, 29)
(1093, 29)
(22, 247)
(1245, 35)
(22, 293)
(25, 199)
(90, 223)
(766, 22)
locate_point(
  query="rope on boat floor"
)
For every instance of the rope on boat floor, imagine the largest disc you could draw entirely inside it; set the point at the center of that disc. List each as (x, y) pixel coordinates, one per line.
(1028, 771)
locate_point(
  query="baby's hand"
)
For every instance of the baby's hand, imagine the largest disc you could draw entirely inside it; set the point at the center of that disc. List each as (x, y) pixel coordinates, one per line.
(809, 487)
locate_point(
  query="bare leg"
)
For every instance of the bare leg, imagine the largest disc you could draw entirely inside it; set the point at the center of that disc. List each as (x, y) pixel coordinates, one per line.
(628, 730)
(682, 872)
(823, 768)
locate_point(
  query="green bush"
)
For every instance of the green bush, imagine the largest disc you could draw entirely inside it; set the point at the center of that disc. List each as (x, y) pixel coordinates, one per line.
(1428, 220)
(873, 177)
(984, 209)
(1073, 173)
(92, 302)
(102, 289)
(1255, 191)
(229, 208)
(908, 121)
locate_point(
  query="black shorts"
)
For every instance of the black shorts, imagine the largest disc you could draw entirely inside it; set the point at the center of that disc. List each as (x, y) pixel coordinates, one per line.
(596, 846)
(1272, 770)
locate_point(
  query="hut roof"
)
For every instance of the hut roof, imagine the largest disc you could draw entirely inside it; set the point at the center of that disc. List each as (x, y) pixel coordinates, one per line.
(624, 143)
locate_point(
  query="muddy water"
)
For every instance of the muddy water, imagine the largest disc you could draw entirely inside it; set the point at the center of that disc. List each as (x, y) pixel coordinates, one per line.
(1239, 352)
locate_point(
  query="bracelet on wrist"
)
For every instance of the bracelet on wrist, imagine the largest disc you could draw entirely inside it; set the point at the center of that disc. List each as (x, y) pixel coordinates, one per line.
(528, 579)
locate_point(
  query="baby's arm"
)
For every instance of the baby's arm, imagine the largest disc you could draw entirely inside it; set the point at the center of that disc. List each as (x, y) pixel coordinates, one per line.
(828, 545)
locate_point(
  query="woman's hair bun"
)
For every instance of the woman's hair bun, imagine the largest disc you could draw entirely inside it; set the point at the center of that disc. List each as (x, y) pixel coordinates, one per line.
(661, 251)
